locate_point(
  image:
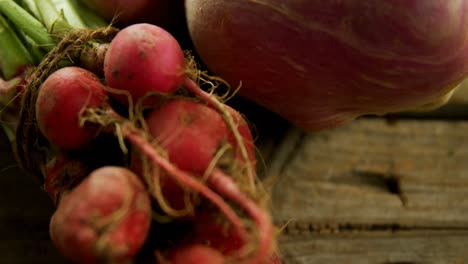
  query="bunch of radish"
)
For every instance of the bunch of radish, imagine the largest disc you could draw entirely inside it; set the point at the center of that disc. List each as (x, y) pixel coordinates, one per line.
(142, 164)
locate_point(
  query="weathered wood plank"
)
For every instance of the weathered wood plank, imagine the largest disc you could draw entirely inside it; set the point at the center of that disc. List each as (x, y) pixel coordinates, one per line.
(404, 247)
(410, 173)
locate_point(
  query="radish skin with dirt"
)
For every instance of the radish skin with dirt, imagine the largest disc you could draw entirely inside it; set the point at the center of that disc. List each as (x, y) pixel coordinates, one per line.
(92, 119)
(105, 219)
(62, 173)
(192, 133)
(62, 97)
(196, 254)
(145, 57)
(142, 69)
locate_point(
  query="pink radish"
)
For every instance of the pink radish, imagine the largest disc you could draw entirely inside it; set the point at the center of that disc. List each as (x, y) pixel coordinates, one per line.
(195, 254)
(105, 219)
(62, 173)
(65, 85)
(189, 131)
(57, 110)
(146, 58)
(207, 230)
(192, 133)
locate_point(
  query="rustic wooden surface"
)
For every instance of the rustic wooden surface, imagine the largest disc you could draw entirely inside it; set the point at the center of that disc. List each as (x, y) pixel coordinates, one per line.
(368, 247)
(375, 191)
(375, 172)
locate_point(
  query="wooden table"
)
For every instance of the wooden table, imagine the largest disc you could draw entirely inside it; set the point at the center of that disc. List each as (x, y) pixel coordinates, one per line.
(375, 192)
(384, 191)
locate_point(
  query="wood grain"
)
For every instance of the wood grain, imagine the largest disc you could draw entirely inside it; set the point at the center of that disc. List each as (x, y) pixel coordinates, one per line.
(403, 247)
(411, 173)
(375, 192)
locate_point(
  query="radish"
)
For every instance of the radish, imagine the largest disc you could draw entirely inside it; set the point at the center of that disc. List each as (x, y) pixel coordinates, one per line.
(79, 87)
(62, 173)
(92, 57)
(209, 231)
(62, 97)
(66, 169)
(195, 254)
(192, 133)
(181, 128)
(105, 219)
(201, 254)
(144, 57)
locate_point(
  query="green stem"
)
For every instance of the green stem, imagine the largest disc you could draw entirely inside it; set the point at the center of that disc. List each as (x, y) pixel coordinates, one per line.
(13, 54)
(27, 23)
(78, 15)
(30, 6)
(9, 106)
(36, 52)
(54, 20)
(9, 132)
(70, 13)
(92, 19)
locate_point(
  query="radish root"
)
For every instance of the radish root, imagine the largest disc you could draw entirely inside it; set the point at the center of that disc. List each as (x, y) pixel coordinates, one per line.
(31, 146)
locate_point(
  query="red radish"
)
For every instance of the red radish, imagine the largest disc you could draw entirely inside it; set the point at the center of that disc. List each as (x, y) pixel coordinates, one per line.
(62, 97)
(74, 81)
(323, 63)
(237, 126)
(189, 131)
(105, 219)
(62, 173)
(185, 179)
(134, 63)
(92, 58)
(195, 254)
(146, 58)
(274, 259)
(229, 189)
(191, 134)
(247, 138)
(209, 230)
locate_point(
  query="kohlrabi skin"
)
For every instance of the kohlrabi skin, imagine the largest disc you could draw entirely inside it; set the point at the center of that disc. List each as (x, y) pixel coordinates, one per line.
(323, 63)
